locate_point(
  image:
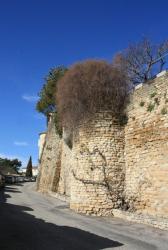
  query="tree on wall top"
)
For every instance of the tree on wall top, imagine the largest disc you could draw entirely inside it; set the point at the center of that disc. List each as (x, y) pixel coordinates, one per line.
(46, 103)
(143, 60)
(29, 168)
(89, 87)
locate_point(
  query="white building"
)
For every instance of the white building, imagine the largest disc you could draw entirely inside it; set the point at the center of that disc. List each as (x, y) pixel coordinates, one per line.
(41, 142)
(34, 171)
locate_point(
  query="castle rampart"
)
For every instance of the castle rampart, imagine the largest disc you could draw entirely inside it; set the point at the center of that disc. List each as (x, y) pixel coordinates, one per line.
(114, 166)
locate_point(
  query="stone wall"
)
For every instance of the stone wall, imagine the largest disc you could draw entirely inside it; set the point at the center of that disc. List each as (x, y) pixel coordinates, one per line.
(112, 166)
(55, 164)
(146, 149)
(98, 166)
(64, 186)
(49, 169)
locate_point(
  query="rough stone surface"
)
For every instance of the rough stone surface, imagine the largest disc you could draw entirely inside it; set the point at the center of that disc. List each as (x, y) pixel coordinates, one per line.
(49, 172)
(112, 166)
(64, 186)
(146, 149)
(55, 162)
(98, 166)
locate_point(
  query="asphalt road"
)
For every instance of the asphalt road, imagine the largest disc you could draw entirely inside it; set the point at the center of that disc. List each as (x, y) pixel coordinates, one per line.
(32, 221)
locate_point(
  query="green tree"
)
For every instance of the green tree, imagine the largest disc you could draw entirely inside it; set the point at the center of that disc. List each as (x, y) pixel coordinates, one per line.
(14, 164)
(29, 168)
(47, 102)
(47, 96)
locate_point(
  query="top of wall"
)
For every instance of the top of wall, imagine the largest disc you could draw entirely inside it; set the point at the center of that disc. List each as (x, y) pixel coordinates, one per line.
(143, 91)
(163, 74)
(42, 133)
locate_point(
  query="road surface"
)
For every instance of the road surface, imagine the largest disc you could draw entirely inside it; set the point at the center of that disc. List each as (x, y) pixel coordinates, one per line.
(32, 221)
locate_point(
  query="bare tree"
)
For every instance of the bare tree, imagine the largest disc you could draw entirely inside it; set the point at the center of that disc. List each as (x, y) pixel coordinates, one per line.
(143, 60)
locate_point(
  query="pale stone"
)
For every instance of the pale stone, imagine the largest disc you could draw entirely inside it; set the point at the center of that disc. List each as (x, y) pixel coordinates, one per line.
(136, 158)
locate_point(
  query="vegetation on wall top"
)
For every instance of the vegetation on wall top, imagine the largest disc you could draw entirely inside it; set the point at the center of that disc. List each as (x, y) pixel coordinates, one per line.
(46, 103)
(74, 95)
(89, 87)
(143, 60)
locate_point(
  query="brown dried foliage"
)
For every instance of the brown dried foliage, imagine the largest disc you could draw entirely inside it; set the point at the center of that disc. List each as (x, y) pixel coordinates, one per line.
(90, 87)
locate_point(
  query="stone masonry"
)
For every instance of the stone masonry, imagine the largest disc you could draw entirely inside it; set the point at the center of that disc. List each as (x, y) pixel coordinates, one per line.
(55, 162)
(49, 169)
(98, 166)
(113, 167)
(146, 149)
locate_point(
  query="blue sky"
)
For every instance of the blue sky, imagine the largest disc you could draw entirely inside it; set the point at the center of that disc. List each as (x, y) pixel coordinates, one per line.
(38, 35)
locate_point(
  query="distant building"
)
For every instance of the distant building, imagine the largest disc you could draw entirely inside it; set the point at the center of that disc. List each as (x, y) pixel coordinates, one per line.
(41, 143)
(34, 171)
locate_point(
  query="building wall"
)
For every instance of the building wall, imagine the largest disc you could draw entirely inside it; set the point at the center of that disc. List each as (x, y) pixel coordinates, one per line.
(49, 167)
(98, 166)
(55, 162)
(113, 166)
(146, 149)
(64, 186)
(35, 171)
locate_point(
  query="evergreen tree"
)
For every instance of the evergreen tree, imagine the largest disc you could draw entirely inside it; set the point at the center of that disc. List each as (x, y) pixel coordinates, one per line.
(47, 100)
(29, 168)
(14, 164)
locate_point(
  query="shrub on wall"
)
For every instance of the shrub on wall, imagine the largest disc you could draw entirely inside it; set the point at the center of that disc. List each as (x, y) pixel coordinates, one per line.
(89, 87)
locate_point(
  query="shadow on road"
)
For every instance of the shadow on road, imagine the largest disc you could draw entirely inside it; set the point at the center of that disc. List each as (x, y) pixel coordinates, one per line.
(21, 231)
(10, 189)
